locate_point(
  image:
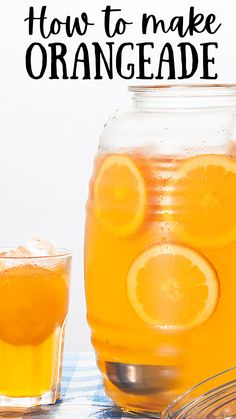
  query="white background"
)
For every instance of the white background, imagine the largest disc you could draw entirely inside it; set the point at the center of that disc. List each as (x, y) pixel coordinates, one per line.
(49, 129)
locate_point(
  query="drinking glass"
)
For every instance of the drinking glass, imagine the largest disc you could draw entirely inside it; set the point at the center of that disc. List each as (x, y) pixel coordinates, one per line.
(34, 294)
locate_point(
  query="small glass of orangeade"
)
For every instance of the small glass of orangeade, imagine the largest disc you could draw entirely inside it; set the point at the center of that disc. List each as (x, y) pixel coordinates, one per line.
(34, 293)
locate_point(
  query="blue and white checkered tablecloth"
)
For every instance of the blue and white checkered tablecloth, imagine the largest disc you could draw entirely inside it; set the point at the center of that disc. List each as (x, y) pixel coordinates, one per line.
(82, 395)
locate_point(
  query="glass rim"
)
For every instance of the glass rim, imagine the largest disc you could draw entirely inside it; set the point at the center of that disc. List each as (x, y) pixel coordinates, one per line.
(60, 253)
(194, 89)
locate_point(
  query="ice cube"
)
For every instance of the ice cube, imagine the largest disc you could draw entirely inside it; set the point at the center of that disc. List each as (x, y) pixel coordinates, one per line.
(34, 247)
(39, 247)
(20, 251)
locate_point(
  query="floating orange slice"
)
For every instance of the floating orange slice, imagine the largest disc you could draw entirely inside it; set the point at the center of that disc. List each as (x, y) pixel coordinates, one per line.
(202, 198)
(120, 195)
(172, 287)
(33, 302)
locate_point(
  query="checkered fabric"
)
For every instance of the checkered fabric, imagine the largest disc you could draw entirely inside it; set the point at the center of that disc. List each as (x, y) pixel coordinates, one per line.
(82, 395)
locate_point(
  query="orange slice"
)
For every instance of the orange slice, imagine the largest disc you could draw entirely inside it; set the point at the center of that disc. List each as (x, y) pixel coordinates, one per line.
(202, 198)
(172, 287)
(120, 196)
(33, 302)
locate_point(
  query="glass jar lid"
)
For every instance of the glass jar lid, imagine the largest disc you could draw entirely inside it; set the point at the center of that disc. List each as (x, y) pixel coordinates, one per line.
(184, 95)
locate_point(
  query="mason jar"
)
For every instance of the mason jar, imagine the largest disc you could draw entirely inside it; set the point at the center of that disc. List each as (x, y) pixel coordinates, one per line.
(160, 245)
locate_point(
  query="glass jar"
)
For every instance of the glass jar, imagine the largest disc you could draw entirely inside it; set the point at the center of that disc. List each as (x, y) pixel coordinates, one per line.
(160, 243)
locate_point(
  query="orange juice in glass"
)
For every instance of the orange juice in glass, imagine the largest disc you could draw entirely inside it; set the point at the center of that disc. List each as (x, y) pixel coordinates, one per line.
(160, 249)
(34, 292)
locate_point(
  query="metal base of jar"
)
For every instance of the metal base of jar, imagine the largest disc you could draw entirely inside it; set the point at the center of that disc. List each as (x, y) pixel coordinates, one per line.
(142, 379)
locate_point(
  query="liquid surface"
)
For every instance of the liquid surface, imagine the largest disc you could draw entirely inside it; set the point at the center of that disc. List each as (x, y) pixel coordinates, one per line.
(160, 268)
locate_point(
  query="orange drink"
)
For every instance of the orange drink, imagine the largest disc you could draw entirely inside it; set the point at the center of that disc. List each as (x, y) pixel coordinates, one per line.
(33, 311)
(160, 266)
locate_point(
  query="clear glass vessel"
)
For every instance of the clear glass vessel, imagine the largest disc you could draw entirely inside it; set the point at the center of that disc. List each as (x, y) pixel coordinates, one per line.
(214, 398)
(160, 244)
(34, 293)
